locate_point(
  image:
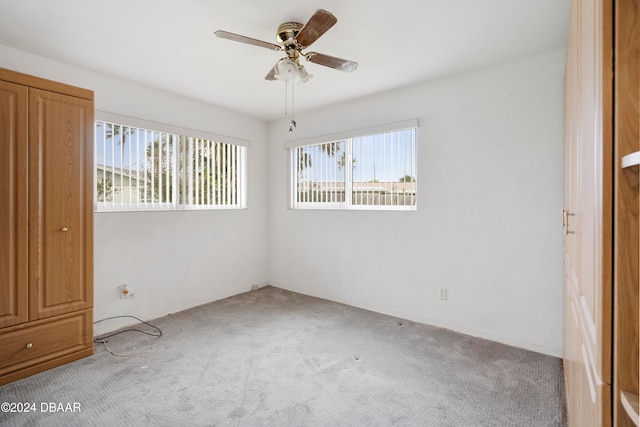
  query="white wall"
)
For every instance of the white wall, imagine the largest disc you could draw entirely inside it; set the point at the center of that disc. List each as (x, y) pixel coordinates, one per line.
(170, 260)
(490, 168)
(490, 189)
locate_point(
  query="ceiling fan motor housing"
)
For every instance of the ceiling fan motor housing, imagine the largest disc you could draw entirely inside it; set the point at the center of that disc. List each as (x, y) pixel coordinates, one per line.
(288, 31)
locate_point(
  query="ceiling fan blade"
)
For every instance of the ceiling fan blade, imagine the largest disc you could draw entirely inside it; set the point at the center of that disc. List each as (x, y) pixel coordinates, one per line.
(248, 40)
(331, 61)
(272, 73)
(318, 24)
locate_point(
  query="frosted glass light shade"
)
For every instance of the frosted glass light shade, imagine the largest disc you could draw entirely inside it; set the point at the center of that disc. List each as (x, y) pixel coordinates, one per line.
(303, 75)
(288, 70)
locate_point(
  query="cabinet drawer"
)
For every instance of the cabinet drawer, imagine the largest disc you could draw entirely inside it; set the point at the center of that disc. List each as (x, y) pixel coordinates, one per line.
(30, 345)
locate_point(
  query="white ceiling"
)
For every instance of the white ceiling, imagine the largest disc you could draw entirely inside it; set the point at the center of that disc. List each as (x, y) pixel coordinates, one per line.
(169, 44)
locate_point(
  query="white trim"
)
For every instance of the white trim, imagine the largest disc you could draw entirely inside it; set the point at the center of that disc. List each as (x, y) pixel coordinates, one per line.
(163, 127)
(352, 207)
(389, 127)
(102, 207)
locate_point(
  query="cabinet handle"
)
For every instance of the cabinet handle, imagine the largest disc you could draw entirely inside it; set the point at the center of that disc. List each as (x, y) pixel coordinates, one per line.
(29, 345)
(565, 221)
(64, 229)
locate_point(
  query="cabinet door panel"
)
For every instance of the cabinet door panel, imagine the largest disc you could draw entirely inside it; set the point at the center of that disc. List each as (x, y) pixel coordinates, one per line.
(61, 206)
(13, 204)
(588, 200)
(594, 183)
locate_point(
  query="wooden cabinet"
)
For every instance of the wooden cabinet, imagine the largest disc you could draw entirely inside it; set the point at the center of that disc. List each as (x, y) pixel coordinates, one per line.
(46, 224)
(602, 240)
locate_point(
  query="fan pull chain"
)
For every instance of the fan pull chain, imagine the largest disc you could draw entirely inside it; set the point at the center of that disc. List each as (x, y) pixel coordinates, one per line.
(292, 123)
(286, 97)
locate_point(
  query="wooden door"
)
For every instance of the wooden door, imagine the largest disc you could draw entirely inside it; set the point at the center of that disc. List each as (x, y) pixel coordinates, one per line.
(61, 203)
(13, 204)
(588, 214)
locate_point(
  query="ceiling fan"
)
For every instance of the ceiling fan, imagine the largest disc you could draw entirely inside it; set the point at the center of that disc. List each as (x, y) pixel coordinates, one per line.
(295, 37)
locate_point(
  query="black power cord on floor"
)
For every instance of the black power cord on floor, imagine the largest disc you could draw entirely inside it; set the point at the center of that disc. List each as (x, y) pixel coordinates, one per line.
(101, 339)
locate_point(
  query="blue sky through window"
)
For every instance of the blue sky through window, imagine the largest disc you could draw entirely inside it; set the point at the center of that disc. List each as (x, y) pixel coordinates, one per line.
(388, 157)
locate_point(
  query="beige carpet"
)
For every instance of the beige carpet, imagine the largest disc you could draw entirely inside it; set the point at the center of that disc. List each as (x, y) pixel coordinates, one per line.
(277, 358)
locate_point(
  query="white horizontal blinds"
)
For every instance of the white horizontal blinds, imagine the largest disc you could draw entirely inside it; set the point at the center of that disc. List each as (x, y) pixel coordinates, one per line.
(368, 171)
(318, 174)
(141, 169)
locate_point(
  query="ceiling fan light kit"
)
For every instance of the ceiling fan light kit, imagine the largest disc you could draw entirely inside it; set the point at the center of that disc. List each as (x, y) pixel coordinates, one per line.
(293, 38)
(289, 70)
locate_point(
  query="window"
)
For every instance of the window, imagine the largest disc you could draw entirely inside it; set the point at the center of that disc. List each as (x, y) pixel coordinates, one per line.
(367, 169)
(142, 169)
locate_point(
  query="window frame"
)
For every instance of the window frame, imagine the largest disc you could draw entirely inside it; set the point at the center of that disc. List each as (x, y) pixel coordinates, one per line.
(347, 138)
(178, 133)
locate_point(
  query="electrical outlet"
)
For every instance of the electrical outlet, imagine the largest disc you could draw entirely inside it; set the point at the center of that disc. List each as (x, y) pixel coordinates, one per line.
(124, 292)
(442, 294)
